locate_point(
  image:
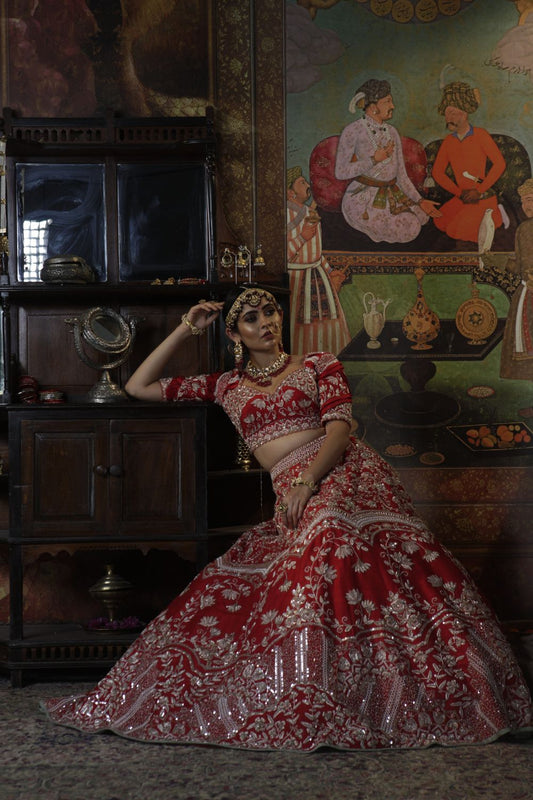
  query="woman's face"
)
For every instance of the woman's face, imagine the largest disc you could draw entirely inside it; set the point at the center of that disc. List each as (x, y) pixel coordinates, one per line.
(259, 327)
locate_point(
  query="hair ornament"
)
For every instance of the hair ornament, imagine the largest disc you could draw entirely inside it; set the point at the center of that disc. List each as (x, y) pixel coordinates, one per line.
(252, 297)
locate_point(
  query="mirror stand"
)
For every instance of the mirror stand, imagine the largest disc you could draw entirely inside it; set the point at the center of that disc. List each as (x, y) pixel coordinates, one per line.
(106, 332)
(105, 390)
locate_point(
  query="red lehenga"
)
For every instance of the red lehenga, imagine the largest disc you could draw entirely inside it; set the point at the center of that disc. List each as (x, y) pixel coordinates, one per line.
(357, 630)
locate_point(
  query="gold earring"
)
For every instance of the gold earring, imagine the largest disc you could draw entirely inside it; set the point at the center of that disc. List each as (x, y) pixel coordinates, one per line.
(238, 354)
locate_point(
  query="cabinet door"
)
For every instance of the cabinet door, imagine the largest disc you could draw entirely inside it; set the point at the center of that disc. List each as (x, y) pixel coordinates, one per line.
(63, 487)
(152, 477)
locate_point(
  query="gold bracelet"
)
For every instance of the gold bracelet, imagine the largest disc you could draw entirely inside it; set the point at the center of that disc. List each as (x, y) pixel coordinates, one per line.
(194, 330)
(299, 481)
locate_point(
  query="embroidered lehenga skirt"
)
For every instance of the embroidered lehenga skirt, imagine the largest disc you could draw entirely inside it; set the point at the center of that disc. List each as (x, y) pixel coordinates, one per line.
(357, 630)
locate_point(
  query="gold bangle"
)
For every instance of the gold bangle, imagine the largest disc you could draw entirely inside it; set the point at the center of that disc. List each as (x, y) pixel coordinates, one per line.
(194, 330)
(299, 481)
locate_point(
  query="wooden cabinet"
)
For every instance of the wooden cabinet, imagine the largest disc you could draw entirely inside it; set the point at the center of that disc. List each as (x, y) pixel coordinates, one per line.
(83, 474)
(111, 476)
(118, 475)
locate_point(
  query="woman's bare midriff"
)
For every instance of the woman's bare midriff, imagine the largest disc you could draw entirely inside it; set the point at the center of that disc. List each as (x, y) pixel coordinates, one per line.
(270, 453)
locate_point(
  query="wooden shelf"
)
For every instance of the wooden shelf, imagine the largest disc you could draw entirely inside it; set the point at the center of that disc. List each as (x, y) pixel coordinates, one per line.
(237, 472)
(104, 542)
(228, 530)
(142, 291)
(59, 648)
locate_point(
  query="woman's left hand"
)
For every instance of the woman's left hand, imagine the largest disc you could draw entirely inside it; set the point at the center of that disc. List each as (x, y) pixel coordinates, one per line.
(293, 504)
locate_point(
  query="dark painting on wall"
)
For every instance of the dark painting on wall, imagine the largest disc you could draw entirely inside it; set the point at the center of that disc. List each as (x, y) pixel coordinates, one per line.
(83, 57)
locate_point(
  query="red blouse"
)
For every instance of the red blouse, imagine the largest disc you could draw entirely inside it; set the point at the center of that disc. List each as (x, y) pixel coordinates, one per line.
(310, 396)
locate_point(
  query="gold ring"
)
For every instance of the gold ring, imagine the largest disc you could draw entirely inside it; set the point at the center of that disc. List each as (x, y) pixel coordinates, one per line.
(282, 507)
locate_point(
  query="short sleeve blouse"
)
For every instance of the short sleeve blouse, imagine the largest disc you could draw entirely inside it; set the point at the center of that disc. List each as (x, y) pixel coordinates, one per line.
(309, 397)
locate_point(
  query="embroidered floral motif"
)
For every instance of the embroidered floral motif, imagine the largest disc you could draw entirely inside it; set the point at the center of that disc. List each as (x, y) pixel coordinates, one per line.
(308, 398)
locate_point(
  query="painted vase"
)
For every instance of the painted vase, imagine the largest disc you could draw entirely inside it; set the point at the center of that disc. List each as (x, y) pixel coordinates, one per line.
(420, 325)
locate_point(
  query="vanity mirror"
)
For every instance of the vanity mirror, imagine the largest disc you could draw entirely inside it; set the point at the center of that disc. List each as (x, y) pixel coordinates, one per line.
(111, 338)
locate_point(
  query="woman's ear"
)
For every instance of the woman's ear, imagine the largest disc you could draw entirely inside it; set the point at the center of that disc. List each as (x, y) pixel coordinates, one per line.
(233, 335)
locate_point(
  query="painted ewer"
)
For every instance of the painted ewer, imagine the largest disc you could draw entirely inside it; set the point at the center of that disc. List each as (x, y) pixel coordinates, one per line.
(373, 319)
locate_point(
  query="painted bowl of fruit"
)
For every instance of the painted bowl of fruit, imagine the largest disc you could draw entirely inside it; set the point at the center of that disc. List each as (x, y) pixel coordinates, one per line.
(497, 437)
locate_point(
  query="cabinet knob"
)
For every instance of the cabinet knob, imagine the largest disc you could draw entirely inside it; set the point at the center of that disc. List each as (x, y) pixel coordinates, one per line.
(115, 470)
(101, 470)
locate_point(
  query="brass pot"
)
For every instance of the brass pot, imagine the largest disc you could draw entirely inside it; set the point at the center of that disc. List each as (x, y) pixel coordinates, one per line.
(111, 591)
(67, 269)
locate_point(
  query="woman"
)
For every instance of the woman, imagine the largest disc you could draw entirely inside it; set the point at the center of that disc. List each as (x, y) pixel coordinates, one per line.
(339, 622)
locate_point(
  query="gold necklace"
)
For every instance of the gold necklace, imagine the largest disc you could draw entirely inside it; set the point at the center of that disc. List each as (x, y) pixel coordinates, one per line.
(264, 376)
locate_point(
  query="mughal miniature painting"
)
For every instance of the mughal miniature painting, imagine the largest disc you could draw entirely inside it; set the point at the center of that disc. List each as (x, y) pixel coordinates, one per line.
(410, 218)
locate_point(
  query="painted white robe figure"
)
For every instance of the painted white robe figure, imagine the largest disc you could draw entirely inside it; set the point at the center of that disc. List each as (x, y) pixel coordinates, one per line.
(381, 200)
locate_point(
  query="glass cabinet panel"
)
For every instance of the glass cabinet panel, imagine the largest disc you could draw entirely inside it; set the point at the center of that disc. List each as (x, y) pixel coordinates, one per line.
(163, 226)
(60, 211)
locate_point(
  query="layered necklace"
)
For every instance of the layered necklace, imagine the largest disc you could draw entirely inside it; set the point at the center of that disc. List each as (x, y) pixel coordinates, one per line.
(263, 377)
(376, 130)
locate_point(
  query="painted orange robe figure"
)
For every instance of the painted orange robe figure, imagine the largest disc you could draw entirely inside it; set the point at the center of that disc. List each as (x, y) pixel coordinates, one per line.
(466, 150)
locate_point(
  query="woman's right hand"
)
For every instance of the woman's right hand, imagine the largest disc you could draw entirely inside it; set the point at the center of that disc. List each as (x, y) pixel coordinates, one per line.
(144, 383)
(204, 313)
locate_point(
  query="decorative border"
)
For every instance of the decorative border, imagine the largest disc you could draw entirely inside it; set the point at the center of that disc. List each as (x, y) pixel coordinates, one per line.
(251, 126)
(401, 263)
(113, 130)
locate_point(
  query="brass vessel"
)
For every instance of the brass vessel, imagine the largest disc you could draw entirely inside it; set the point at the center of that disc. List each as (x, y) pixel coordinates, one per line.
(111, 590)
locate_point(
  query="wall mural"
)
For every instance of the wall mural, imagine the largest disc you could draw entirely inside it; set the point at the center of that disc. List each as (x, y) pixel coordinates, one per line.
(410, 217)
